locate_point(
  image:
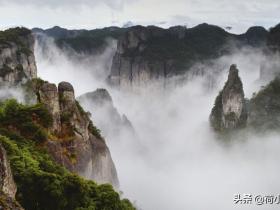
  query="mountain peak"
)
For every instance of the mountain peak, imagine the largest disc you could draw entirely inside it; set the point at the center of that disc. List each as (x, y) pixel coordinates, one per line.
(229, 111)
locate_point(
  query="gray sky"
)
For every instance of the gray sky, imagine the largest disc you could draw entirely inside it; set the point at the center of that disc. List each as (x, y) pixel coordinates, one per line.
(239, 14)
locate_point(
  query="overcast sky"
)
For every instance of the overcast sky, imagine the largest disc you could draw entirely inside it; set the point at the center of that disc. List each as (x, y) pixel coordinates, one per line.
(239, 14)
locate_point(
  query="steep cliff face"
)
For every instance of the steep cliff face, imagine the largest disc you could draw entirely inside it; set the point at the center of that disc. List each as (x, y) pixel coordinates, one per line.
(7, 183)
(8, 187)
(106, 116)
(147, 53)
(230, 109)
(139, 57)
(76, 143)
(17, 61)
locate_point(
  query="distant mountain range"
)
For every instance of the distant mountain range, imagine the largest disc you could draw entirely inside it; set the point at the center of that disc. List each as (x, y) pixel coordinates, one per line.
(145, 53)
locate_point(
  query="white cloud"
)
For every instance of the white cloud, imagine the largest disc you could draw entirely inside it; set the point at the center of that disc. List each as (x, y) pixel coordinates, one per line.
(91, 14)
(115, 4)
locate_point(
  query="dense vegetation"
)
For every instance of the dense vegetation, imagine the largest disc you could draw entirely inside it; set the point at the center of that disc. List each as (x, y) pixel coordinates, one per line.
(43, 184)
(83, 41)
(203, 41)
(265, 107)
(15, 35)
(93, 41)
(31, 122)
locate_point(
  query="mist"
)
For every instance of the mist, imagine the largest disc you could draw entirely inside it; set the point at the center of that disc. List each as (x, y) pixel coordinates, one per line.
(83, 72)
(177, 162)
(13, 92)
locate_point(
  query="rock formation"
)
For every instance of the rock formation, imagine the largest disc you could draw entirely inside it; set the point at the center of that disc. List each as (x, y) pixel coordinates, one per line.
(132, 65)
(150, 53)
(230, 111)
(8, 187)
(76, 143)
(7, 184)
(49, 95)
(105, 115)
(17, 61)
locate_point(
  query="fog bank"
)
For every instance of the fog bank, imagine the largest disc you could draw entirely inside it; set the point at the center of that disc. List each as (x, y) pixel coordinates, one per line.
(177, 163)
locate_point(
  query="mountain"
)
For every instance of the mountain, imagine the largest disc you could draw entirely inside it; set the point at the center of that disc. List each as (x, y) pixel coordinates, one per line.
(76, 143)
(43, 183)
(108, 118)
(49, 141)
(270, 68)
(265, 107)
(230, 111)
(149, 53)
(81, 41)
(76, 128)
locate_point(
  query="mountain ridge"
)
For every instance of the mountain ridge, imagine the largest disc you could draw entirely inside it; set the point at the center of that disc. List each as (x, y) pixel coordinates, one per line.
(146, 53)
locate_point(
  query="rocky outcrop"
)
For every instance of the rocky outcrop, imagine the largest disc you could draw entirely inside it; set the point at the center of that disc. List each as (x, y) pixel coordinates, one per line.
(7, 184)
(106, 116)
(48, 95)
(8, 187)
(77, 143)
(17, 61)
(230, 111)
(151, 53)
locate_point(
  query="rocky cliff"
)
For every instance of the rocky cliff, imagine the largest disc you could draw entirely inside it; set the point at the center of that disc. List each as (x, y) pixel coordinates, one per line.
(148, 53)
(43, 183)
(106, 116)
(17, 61)
(260, 113)
(8, 187)
(77, 143)
(230, 110)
